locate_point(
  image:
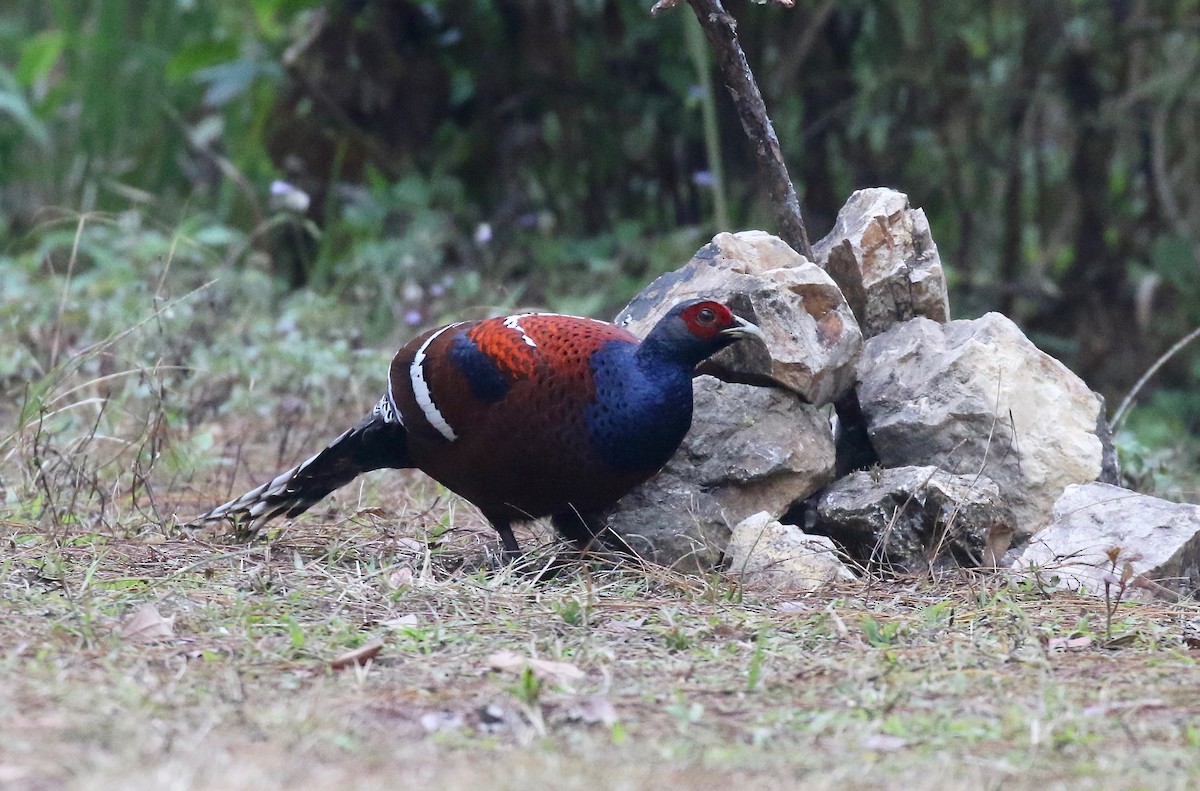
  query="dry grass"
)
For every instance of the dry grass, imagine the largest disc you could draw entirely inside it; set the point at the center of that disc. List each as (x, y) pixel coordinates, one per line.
(687, 683)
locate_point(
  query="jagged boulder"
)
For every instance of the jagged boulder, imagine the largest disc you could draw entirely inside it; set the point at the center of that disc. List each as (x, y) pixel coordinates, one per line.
(812, 337)
(911, 519)
(766, 555)
(882, 255)
(1097, 530)
(750, 449)
(977, 397)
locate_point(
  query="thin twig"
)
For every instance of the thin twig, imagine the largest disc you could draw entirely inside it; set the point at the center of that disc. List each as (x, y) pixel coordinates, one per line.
(1123, 410)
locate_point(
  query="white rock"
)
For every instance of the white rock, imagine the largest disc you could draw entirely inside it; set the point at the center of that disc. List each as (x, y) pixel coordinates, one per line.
(767, 555)
(1159, 539)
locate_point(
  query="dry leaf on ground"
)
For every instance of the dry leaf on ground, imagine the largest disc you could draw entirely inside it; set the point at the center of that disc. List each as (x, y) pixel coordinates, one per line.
(591, 710)
(148, 625)
(1069, 643)
(359, 656)
(403, 621)
(544, 669)
(884, 743)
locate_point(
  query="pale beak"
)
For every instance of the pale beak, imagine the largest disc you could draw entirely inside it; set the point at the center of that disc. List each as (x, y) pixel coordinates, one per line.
(744, 329)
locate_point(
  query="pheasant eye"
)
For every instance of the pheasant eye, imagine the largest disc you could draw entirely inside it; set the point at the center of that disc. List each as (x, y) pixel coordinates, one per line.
(706, 316)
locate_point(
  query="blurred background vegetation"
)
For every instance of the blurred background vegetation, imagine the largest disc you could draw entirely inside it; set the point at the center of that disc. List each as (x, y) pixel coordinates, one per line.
(349, 171)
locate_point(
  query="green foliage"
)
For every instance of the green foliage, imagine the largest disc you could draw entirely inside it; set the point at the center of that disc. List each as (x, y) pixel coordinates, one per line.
(1159, 450)
(754, 672)
(528, 688)
(572, 611)
(880, 634)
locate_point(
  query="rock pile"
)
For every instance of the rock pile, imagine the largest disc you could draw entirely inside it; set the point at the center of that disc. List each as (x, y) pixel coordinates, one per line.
(982, 440)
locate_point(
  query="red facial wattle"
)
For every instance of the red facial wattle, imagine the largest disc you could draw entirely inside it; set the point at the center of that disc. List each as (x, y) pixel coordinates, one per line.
(707, 319)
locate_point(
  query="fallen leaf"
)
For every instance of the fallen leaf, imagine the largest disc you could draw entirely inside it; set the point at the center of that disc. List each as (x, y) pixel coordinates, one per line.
(403, 622)
(544, 669)
(371, 511)
(882, 742)
(401, 578)
(506, 660)
(1068, 643)
(359, 656)
(148, 625)
(411, 545)
(561, 671)
(592, 710)
(728, 630)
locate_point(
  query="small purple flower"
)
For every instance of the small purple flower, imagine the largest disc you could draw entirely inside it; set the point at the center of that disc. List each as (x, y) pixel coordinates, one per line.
(412, 317)
(483, 233)
(289, 197)
(703, 178)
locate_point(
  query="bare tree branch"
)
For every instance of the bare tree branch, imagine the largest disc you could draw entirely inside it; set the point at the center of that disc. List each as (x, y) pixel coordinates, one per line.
(721, 31)
(667, 5)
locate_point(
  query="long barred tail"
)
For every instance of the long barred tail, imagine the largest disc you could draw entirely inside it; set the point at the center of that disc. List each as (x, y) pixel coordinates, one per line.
(378, 441)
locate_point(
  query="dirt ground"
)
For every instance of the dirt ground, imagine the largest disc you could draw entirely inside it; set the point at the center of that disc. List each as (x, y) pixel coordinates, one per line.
(374, 648)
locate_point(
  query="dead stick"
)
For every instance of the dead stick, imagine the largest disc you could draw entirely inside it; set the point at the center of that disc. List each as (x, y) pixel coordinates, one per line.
(721, 31)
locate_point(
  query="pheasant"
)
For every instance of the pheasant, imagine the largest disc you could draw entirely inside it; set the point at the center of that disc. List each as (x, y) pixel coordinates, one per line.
(526, 416)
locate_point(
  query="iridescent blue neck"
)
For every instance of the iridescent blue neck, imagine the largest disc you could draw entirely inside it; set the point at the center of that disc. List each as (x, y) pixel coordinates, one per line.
(642, 408)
